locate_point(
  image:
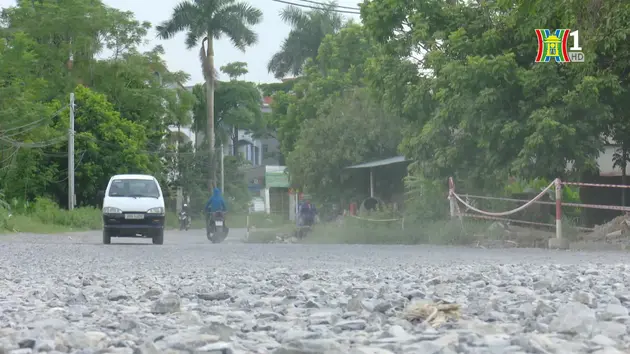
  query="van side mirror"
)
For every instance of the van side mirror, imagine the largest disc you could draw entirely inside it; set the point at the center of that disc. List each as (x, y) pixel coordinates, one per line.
(101, 194)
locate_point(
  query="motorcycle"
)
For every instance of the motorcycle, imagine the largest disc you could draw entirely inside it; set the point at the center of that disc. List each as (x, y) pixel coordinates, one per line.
(184, 221)
(305, 226)
(216, 231)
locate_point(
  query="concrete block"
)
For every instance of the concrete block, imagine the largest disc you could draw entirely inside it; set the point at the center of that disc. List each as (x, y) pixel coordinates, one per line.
(559, 243)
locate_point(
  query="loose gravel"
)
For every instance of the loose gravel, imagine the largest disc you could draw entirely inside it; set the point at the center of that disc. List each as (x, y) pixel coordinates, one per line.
(70, 294)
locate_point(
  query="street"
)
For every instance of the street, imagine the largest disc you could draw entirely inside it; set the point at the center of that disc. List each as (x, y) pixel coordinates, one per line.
(69, 292)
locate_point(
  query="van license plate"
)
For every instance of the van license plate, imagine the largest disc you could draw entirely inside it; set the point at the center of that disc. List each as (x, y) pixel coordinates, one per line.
(219, 223)
(134, 216)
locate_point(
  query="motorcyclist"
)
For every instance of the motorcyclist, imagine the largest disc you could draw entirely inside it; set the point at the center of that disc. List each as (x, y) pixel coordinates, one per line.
(214, 204)
(183, 214)
(307, 213)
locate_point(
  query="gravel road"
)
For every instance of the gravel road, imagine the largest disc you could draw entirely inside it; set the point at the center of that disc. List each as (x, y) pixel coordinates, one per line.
(71, 294)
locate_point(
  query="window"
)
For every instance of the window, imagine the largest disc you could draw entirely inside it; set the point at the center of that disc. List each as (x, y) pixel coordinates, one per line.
(137, 188)
(265, 148)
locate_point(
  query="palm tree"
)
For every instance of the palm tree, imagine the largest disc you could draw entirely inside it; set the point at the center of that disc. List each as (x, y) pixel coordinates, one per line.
(308, 29)
(204, 21)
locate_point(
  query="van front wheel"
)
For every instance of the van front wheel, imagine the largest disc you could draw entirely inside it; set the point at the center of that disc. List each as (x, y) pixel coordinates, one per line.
(107, 237)
(158, 237)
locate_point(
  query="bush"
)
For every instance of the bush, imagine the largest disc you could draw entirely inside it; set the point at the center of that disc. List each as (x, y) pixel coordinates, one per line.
(356, 231)
(6, 223)
(48, 212)
(426, 199)
(45, 216)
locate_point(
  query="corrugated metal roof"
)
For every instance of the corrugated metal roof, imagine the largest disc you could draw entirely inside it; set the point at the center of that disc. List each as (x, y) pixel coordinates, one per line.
(383, 162)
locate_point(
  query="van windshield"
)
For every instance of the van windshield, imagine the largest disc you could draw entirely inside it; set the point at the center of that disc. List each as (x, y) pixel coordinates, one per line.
(136, 188)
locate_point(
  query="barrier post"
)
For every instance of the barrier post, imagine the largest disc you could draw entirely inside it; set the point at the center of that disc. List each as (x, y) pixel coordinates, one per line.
(451, 198)
(558, 242)
(247, 232)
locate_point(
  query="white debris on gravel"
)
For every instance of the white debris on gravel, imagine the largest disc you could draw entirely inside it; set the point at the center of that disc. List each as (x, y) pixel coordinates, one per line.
(194, 297)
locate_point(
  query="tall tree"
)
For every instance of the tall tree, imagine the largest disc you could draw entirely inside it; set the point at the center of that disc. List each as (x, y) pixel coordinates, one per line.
(237, 107)
(478, 104)
(204, 21)
(338, 66)
(355, 129)
(127, 107)
(235, 69)
(308, 29)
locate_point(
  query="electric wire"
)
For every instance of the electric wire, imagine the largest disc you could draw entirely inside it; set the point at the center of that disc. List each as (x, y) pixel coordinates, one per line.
(75, 169)
(316, 8)
(31, 125)
(325, 5)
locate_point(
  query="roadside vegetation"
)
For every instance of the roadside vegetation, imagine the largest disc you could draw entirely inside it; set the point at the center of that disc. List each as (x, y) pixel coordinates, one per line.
(457, 92)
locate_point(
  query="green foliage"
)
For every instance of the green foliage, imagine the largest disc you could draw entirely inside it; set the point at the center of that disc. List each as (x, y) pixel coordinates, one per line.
(332, 73)
(354, 130)
(107, 144)
(121, 120)
(356, 231)
(569, 194)
(308, 29)
(192, 167)
(426, 199)
(213, 19)
(48, 212)
(479, 108)
(271, 88)
(236, 191)
(204, 21)
(237, 105)
(235, 69)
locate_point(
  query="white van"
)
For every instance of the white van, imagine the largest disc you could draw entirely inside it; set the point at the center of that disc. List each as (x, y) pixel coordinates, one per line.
(133, 206)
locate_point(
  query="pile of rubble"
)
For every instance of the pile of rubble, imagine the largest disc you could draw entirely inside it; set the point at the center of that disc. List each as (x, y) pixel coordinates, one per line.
(617, 228)
(284, 237)
(504, 235)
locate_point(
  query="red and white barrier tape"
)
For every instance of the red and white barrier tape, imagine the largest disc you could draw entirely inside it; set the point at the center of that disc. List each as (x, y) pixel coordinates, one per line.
(505, 213)
(577, 205)
(517, 221)
(595, 185)
(506, 220)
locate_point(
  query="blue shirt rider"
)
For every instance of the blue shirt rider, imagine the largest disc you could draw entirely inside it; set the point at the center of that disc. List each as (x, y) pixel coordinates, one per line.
(216, 202)
(307, 213)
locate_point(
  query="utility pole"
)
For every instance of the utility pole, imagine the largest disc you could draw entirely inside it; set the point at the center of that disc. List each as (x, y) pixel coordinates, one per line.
(222, 170)
(71, 155)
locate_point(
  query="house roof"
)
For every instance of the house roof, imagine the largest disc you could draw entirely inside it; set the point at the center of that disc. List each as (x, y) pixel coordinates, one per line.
(384, 162)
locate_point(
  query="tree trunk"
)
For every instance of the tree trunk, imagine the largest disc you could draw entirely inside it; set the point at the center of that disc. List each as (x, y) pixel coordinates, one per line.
(234, 141)
(624, 161)
(179, 156)
(210, 108)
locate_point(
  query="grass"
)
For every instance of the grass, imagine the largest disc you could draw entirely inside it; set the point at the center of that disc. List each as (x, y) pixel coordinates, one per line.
(440, 232)
(355, 231)
(46, 217)
(269, 236)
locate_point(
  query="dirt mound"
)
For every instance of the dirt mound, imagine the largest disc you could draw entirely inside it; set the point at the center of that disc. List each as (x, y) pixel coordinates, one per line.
(502, 235)
(615, 229)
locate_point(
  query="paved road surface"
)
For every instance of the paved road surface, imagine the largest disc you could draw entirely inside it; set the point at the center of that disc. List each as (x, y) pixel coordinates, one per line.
(70, 292)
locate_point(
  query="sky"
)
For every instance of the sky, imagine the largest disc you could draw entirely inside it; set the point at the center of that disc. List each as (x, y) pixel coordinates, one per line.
(271, 33)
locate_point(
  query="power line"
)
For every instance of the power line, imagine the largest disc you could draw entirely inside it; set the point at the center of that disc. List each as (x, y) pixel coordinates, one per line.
(31, 125)
(329, 5)
(317, 8)
(11, 157)
(15, 151)
(75, 169)
(37, 145)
